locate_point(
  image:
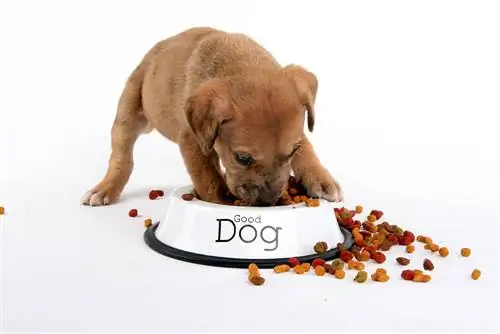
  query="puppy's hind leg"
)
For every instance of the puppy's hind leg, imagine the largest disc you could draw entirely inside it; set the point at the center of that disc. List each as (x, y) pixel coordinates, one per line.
(129, 124)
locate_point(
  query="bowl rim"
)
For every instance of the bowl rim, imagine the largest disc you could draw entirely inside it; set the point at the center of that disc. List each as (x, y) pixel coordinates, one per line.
(178, 192)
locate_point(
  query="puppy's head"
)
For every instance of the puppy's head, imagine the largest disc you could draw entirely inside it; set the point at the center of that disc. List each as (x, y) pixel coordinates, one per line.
(255, 125)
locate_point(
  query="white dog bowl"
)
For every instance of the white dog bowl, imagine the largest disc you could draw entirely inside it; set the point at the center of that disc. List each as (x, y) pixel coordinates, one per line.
(233, 236)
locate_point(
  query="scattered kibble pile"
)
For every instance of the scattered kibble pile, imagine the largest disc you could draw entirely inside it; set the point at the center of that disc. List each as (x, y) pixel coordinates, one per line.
(372, 239)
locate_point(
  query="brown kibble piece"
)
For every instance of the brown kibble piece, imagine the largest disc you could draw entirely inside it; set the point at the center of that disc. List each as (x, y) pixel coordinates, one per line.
(299, 269)
(428, 265)
(339, 274)
(381, 271)
(418, 271)
(371, 218)
(2, 210)
(476, 273)
(426, 278)
(465, 252)
(359, 209)
(410, 249)
(282, 268)
(403, 261)
(306, 266)
(319, 270)
(187, 197)
(256, 279)
(148, 222)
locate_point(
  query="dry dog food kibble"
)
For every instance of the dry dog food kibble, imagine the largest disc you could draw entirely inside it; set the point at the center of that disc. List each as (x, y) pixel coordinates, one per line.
(355, 265)
(337, 264)
(431, 247)
(465, 252)
(444, 252)
(346, 256)
(320, 247)
(359, 209)
(380, 276)
(253, 269)
(254, 275)
(339, 274)
(2, 210)
(133, 213)
(293, 261)
(312, 202)
(187, 197)
(318, 262)
(361, 276)
(428, 265)
(410, 249)
(476, 273)
(319, 270)
(379, 257)
(403, 261)
(256, 280)
(407, 275)
(148, 222)
(306, 266)
(282, 268)
(371, 218)
(299, 269)
(153, 194)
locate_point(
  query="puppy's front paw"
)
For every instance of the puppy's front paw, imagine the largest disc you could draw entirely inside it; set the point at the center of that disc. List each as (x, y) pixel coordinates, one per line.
(320, 183)
(102, 194)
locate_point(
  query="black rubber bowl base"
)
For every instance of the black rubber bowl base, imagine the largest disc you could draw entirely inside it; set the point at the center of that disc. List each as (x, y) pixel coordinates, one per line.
(215, 261)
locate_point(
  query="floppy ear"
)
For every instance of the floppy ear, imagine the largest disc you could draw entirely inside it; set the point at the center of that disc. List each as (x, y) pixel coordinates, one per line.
(204, 112)
(306, 85)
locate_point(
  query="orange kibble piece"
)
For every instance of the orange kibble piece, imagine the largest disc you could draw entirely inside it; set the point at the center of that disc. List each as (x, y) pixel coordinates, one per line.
(339, 274)
(306, 266)
(253, 269)
(410, 249)
(299, 269)
(319, 270)
(359, 209)
(476, 273)
(465, 252)
(351, 265)
(2, 210)
(282, 268)
(312, 202)
(443, 251)
(426, 278)
(256, 279)
(431, 247)
(371, 218)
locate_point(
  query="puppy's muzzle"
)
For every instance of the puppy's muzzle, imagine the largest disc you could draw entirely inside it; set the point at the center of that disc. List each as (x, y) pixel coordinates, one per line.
(263, 196)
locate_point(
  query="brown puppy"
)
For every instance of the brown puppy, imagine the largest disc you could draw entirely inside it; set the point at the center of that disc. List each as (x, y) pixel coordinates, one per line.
(224, 100)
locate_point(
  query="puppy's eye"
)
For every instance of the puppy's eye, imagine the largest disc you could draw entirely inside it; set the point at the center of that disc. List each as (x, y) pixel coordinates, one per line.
(244, 159)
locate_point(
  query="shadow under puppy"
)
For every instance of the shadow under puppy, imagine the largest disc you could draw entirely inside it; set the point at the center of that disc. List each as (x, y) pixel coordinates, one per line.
(223, 99)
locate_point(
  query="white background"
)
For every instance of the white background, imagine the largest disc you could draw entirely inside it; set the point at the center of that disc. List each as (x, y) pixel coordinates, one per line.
(405, 121)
